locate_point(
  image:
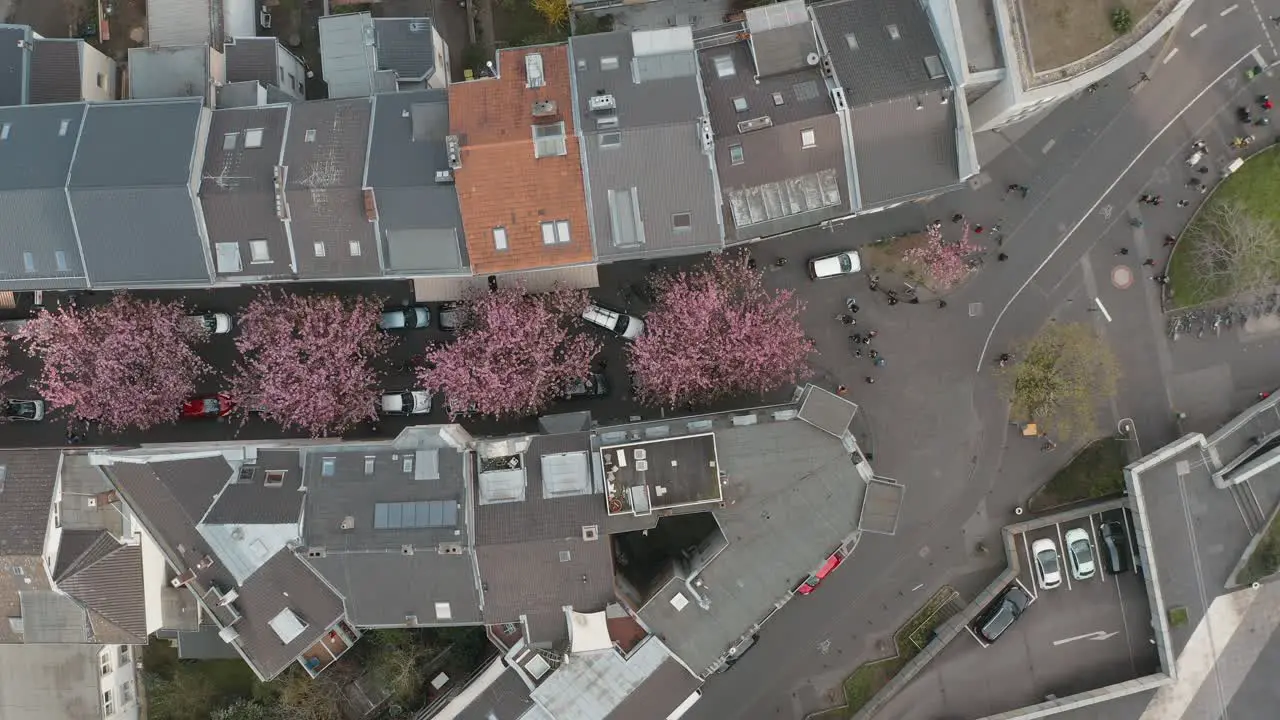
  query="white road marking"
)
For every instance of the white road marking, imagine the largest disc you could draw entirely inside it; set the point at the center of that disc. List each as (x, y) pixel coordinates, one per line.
(1198, 30)
(917, 587)
(987, 345)
(1102, 308)
(1169, 57)
(1048, 146)
(1097, 549)
(1030, 568)
(1097, 635)
(1228, 11)
(1062, 559)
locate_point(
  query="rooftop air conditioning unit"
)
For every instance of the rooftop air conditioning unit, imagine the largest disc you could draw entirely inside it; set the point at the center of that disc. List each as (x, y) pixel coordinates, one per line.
(443, 177)
(544, 108)
(642, 465)
(759, 123)
(602, 102)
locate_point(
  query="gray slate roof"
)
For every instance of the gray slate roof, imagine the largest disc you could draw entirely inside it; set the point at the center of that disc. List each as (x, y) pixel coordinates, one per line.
(519, 546)
(173, 23)
(381, 584)
(324, 189)
(656, 147)
(237, 190)
(55, 71)
(170, 497)
(26, 499)
(406, 47)
(14, 64)
(34, 215)
(880, 67)
(507, 698)
(252, 502)
(112, 586)
(780, 185)
(419, 223)
(134, 209)
(904, 150)
(252, 59)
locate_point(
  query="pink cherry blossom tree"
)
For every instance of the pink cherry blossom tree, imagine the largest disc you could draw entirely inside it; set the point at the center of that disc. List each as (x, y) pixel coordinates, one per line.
(516, 353)
(306, 361)
(128, 363)
(943, 262)
(716, 331)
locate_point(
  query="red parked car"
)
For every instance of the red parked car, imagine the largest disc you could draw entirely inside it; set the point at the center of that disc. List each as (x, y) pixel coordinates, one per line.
(811, 583)
(217, 405)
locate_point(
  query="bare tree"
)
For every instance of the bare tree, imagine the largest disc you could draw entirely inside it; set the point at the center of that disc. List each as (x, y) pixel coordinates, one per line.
(1236, 252)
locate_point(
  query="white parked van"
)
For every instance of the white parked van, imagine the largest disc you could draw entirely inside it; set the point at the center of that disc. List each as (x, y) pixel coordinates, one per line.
(683, 707)
(620, 323)
(845, 262)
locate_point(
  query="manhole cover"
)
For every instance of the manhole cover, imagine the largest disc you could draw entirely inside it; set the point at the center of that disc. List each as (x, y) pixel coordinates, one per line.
(975, 309)
(1121, 276)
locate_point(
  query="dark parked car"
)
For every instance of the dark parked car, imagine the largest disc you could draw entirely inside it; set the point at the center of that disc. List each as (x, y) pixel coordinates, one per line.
(1000, 614)
(596, 385)
(449, 317)
(1115, 548)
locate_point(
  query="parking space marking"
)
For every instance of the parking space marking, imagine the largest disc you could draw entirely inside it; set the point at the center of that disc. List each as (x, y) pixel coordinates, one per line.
(1048, 146)
(981, 642)
(1169, 57)
(1124, 624)
(1228, 11)
(1034, 597)
(1030, 568)
(1198, 30)
(1097, 549)
(1062, 560)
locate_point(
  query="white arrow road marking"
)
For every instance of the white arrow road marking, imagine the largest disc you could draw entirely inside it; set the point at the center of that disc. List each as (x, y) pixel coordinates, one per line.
(1099, 635)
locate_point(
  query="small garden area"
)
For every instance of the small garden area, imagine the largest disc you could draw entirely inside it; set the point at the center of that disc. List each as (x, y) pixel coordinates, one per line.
(1097, 471)
(1264, 561)
(1232, 247)
(393, 669)
(1060, 33)
(909, 640)
(924, 258)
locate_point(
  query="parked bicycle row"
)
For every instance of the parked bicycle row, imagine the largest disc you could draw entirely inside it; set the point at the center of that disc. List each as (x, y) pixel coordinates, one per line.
(1213, 320)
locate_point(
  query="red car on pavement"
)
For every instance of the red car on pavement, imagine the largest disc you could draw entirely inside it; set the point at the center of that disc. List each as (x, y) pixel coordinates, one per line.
(831, 563)
(216, 405)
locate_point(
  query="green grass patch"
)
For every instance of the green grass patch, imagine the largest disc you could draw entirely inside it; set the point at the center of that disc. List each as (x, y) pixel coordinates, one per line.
(868, 678)
(1255, 186)
(516, 23)
(1178, 616)
(1265, 558)
(1095, 472)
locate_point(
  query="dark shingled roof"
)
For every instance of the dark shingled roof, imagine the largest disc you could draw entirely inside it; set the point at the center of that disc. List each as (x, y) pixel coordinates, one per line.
(112, 586)
(27, 495)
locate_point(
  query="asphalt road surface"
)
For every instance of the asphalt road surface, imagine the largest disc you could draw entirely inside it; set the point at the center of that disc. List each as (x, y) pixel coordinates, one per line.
(937, 422)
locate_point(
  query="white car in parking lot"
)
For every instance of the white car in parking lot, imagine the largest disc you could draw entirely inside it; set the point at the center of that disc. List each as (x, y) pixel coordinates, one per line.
(1080, 553)
(845, 262)
(1048, 563)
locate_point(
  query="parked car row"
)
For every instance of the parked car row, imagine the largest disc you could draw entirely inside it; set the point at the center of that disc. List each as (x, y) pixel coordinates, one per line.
(1114, 554)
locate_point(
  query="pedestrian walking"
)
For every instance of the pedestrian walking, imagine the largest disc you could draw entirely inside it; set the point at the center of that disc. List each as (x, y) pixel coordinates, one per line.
(874, 354)
(957, 217)
(1169, 240)
(1149, 262)
(871, 380)
(977, 229)
(841, 390)
(879, 362)
(857, 352)
(1002, 257)
(751, 263)
(1161, 279)
(1203, 170)
(73, 438)
(1157, 200)
(1123, 251)
(942, 304)
(1183, 203)
(872, 333)
(893, 301)
(856, 337)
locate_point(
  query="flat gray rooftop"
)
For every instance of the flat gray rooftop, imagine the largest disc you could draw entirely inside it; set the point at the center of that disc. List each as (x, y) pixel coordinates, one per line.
(881, 507)
(676, 471)
(827, 411)
(49, 682)
(792, 496)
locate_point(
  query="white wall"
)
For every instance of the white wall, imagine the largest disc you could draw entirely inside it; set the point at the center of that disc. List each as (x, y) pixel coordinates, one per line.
(120, 681)
(290, 64)
(93, 65)
(155, 570)
(439, 78)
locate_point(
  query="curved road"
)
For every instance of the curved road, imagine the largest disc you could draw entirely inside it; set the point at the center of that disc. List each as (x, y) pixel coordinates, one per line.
(939, 427)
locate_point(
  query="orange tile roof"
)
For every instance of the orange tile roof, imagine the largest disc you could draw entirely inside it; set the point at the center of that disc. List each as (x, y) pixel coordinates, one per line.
(501, 183)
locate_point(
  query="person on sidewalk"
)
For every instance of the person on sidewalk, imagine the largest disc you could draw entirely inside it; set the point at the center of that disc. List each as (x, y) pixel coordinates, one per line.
(1183, 203)
(1002, 257)
(942, 304)
(870, 380)
(1149, 262)
(1123, 251)
(842, 390)
(1170, 240)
